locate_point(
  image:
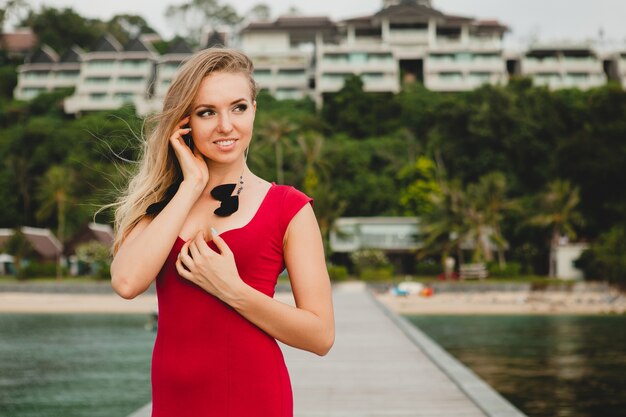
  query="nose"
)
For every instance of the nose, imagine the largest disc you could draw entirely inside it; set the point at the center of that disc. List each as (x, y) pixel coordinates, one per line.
(224, 124)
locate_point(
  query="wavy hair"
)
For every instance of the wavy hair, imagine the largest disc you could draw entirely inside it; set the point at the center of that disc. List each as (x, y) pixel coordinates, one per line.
(158, 167)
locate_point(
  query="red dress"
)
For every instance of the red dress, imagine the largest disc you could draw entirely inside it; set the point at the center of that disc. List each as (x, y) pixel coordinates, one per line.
(208, 360)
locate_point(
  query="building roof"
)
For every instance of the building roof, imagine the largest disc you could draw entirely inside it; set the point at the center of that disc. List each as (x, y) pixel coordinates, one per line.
(20, 41)
(42, 240)
(72, 55)
(409, 11)
(179, 46)
(138, 45)
(292, 22)
(107, 43)
(102, 233)
(490, 25)
(43, 55)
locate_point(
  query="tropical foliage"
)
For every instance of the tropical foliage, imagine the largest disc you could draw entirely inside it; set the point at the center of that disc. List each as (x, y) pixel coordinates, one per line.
(511, 167)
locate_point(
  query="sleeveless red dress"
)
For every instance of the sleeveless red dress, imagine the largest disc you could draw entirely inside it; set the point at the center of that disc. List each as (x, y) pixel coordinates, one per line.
(208, 360)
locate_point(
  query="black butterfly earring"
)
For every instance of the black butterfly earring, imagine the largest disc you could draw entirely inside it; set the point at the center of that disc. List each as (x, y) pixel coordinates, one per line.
(228, 203)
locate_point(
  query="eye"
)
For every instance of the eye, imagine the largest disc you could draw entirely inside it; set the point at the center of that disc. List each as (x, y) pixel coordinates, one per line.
(205, 113)
(241, 107)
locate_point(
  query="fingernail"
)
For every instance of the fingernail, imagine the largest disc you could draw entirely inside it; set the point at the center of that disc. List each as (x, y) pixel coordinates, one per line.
(189, 129)
(214, 231)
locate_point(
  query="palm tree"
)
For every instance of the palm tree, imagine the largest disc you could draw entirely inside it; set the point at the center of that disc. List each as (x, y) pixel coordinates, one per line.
(275, 131)
(55, 193)
(488, 202)
(557, 210)
(311, 144)
(445, 227)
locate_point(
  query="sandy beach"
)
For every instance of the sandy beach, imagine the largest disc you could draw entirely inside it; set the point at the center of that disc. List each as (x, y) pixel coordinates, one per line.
(24, 302)
(509, 302)
(484, 302)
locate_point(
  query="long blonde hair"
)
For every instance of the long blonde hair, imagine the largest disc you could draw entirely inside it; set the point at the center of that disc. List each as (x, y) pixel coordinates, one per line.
(158, 166)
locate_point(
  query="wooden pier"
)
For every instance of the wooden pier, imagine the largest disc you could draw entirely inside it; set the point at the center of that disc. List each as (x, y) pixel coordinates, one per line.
(381, 365)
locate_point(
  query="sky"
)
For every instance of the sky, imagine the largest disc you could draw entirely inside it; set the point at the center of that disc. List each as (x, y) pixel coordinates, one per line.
(543, 20)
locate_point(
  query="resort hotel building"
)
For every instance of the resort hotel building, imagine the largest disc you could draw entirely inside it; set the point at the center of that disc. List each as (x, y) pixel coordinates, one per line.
(310, 56)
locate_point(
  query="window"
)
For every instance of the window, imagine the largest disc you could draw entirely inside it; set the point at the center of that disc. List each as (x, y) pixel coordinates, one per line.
(134, 63)
(101, 63)
(130, 80)
(451, 76)
(288, 94)
(68, 74)
(35, 74)
(480, 77)
(97, 80)
(292, 74)
(124, 96)
(97, 96)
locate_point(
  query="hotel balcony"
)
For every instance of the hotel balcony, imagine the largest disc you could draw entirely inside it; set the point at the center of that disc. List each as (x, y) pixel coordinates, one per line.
(581, 81)
(330, 83)
(460, 81)
(488, 65)
(532, 66)
(408, 36)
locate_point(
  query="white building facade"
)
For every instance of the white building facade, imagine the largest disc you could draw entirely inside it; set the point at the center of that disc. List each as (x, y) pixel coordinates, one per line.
(112, 76)
(310, 56)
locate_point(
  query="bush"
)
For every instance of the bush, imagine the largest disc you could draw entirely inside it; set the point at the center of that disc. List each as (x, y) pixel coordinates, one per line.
(97, 256)
(606, 259)
(338, 272)
(368, 258)
(380, 273)
(511, 270)
(428, 267)
(38, 270)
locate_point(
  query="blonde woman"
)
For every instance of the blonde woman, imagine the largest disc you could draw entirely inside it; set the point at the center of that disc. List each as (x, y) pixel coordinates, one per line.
(215, 237)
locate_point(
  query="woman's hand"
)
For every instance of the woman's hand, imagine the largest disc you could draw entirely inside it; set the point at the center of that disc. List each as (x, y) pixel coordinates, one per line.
(214, 272)
(195, 170)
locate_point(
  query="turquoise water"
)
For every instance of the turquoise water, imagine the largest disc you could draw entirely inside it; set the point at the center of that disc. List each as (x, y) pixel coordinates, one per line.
(547, 366)
(74, 365)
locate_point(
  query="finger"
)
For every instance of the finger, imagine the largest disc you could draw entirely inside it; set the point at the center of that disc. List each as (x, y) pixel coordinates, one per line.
(180, 268)
(184, 256)
(202, 247)
(184, 121)
(193, 247)
(219, 242)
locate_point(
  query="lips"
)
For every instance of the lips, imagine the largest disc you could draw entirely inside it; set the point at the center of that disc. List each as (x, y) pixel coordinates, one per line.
(224, 142)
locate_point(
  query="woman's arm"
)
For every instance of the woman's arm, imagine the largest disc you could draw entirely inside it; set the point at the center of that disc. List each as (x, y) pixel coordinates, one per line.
(143, 252)
(310, 325)
(145, 249)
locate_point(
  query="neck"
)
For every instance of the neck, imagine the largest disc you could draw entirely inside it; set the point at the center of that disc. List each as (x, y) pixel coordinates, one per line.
(225, 174)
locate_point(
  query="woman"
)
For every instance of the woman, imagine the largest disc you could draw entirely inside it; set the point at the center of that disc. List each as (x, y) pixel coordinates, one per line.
(215, 237)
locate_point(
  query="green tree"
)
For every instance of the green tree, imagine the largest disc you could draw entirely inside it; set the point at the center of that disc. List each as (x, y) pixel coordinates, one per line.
(20, 248)
(276, 132)
(488, 202)
(196, 16)
(62, 28)
(127, 26)
(260, 11)
(606, 258)
(419, 186)
(10, 9)
(55, 194)
(557, 210)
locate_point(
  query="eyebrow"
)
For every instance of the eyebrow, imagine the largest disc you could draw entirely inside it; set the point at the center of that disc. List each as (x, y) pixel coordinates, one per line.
(211, 106)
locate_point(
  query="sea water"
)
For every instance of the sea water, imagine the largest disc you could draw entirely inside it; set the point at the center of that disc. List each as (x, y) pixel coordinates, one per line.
(547, 366)
(66, 365)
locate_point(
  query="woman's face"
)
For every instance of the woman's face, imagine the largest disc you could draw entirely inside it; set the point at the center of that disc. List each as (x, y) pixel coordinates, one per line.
(222, 116)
